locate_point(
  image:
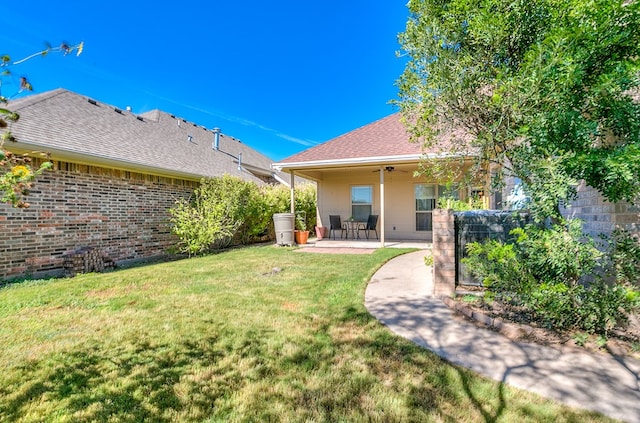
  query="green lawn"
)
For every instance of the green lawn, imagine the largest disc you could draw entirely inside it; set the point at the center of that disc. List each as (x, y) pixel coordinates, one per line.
(224, 338)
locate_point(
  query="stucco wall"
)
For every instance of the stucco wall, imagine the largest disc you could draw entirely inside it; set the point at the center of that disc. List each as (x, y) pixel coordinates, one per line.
(124, 214)
(334, 197)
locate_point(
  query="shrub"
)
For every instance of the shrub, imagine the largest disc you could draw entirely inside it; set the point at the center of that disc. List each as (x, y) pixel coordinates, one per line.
(200, 223)
(552, 273)
(447, 202)
(625, 258)
(560, 254)
(497, 266)
(241, 202)
(229, 210)
(602, 307)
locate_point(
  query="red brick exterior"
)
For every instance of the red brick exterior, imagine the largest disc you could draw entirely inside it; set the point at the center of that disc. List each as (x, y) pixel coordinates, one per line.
(124, 214)
(444, 253)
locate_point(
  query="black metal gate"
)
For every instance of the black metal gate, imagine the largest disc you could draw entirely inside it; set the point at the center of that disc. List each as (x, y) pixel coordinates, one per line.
(480, 225)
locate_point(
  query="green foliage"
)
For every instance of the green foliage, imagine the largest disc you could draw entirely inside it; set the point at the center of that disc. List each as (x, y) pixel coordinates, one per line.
(581, 338)
(544, 89)
(500, 270)
(470, 298)
(625, 258)
(451, 203)
(17, 177)
(229, 210)
(428, 260)
(301, 221)
(306, 205)
(600, 307)
(205, 221)
(560, 254)
(554, 274)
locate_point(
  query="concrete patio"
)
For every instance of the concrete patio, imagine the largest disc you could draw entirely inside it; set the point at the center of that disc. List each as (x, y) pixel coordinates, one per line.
(366, 243)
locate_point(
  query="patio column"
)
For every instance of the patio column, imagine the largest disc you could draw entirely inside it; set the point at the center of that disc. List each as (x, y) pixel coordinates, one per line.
(293, 192)
(381, 206)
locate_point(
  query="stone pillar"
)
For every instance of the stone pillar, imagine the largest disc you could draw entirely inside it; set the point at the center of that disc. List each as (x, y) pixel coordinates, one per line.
(444, 253)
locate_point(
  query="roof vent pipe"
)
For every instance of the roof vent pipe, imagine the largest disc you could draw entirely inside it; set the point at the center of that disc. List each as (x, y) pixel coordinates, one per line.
(239, 161)
(216, 138)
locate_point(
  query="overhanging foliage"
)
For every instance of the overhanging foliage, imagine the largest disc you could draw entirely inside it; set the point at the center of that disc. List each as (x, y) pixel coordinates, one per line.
(546, 90)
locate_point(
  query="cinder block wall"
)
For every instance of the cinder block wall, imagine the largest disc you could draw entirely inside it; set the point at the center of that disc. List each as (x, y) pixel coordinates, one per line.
(444, 253)
(124, 214)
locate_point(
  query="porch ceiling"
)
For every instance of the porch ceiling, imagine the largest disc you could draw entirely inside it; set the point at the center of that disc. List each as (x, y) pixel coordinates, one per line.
(318, 172)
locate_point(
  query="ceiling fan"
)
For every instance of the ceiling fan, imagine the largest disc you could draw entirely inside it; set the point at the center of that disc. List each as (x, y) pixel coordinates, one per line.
(391, 169)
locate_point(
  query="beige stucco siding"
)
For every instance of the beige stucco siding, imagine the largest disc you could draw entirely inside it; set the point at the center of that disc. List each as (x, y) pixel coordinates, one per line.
(334, 197)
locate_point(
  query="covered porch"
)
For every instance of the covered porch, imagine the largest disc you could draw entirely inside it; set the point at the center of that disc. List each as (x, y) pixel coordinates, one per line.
(399, 203)
(371, 172)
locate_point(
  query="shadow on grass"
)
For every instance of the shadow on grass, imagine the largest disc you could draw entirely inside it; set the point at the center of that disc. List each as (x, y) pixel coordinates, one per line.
(430, 324)
(352, 370)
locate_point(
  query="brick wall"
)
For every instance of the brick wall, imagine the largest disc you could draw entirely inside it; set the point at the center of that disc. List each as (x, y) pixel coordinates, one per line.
(601, 216)
(124, 214)
(444, 253)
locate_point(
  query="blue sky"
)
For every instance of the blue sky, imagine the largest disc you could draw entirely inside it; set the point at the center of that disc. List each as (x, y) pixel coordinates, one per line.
(279, 76)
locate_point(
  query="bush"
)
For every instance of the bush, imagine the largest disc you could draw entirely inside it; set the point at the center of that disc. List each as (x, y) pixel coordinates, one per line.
(228, 211)
(497, 266)
(552, 273)
(601, 307)
(202, 222)
(451, 203)
(625, 258)
(560, 254)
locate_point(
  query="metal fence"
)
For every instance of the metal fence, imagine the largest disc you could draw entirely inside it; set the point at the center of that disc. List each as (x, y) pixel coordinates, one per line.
(478, 226)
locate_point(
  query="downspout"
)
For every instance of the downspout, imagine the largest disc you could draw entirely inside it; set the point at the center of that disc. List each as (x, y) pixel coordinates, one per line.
(382, 206)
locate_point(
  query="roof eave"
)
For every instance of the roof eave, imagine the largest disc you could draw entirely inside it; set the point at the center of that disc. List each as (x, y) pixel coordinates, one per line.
(94, 160)
(361, 161)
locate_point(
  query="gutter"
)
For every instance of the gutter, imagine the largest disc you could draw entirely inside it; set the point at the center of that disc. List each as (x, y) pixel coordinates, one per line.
(362, 161)
(95, 160)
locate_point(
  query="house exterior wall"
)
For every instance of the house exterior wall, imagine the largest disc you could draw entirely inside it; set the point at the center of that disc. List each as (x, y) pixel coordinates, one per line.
(601, 216)
(334, 197)
(124, 214)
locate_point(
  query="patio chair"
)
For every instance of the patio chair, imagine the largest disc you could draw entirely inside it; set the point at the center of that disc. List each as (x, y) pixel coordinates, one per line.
(371, 225)
(336, 224)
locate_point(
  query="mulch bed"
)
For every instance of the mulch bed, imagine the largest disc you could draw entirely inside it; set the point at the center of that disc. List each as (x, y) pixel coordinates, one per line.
(517, 327)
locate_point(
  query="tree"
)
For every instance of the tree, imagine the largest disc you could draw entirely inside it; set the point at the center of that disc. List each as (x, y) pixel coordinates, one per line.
(17, 174)
(544, 90)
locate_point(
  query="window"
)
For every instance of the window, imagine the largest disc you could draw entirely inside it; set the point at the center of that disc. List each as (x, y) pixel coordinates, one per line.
(361, 201)
(425, 197)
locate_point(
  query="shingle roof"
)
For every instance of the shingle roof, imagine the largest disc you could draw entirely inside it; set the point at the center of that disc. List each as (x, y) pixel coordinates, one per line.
(384, 137)
(71, 125)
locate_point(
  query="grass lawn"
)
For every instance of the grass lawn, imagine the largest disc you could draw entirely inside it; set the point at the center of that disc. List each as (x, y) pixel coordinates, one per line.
(224, 338)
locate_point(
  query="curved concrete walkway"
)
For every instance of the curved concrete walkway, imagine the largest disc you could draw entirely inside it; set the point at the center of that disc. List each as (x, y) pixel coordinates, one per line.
(398, 296)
